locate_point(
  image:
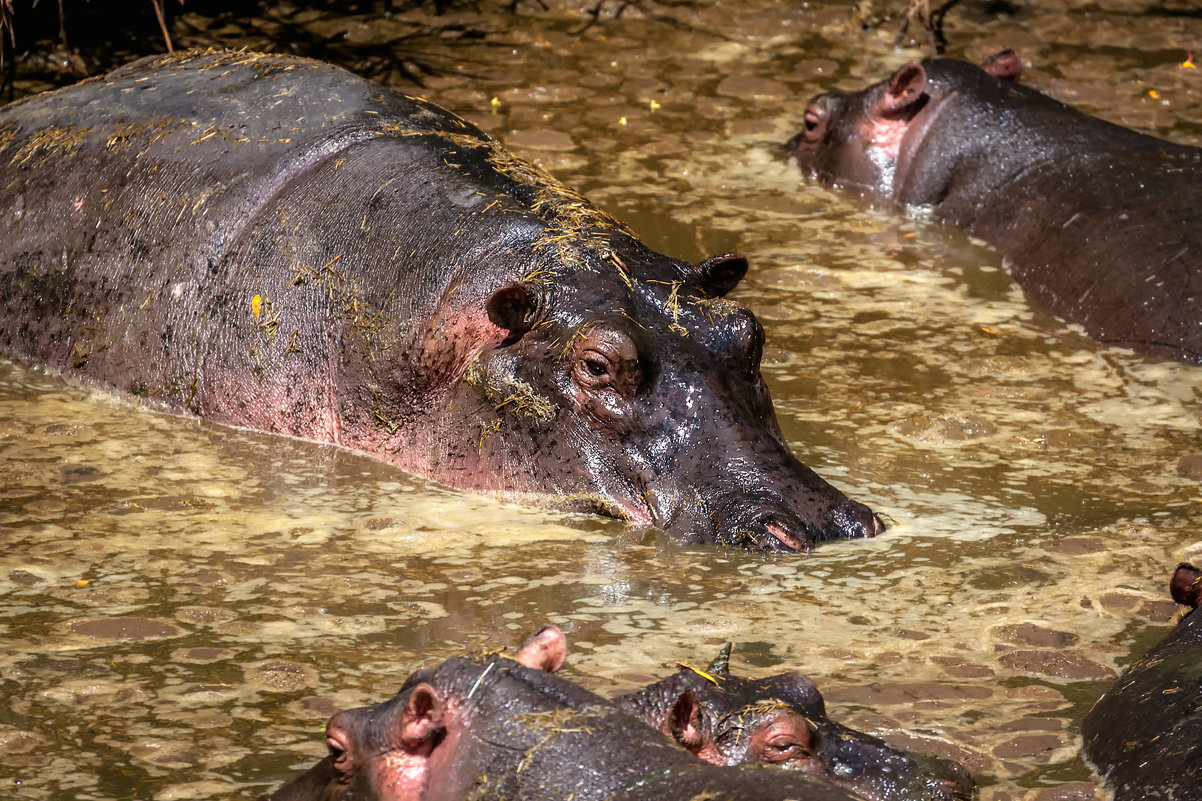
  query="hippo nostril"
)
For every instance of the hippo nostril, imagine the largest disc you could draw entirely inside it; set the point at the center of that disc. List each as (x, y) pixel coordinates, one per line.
(854, 521)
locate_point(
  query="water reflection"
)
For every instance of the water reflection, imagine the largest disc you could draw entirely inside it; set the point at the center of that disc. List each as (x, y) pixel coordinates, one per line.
(184, 604)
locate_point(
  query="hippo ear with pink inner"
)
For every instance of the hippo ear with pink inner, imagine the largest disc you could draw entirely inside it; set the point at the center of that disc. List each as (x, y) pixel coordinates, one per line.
(422, 718)
(684, 721)
(902, 93)
(718, 275)
(1005, 66)
(512, 308)
(546, 650)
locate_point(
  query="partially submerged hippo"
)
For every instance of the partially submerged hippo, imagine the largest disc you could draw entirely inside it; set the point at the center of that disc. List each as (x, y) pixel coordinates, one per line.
(1099, 224)
(1145, 734)
(275, 243)
(491, 728)
(781, 720)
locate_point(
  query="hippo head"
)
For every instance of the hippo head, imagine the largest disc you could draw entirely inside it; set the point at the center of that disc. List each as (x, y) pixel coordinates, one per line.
(862, 142)
(625, 384)
(782, 720)
(404, 749)
(1186, 585)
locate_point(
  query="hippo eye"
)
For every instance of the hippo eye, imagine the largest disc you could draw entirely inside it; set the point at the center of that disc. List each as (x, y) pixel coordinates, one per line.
(596, 367)
(781, 751)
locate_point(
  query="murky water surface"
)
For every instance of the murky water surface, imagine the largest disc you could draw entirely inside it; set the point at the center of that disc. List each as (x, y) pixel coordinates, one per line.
(183, 605)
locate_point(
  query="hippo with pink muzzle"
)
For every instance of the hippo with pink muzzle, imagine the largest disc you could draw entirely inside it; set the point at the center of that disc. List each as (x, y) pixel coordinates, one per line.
(272, 242)
(493, 728)
(1099, 224)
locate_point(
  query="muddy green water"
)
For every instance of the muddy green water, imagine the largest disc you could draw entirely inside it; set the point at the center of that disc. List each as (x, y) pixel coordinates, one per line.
(182, 605)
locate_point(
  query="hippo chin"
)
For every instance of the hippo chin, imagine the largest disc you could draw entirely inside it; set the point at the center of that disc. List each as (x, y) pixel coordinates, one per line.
(275, 243)
(1099, 224)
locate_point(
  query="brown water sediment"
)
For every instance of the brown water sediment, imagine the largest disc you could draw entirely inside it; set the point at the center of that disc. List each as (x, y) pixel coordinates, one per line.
(181, 605)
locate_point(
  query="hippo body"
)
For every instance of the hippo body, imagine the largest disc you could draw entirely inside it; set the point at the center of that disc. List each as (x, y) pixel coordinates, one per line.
(1145, 733)
(1099, 224)
(492, 728)
(275, 243)
(782, 720)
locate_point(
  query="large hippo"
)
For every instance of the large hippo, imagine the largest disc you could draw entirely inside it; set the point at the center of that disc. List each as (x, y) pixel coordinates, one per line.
(491, 728)
(782, 720)
(1099, 224)
(1145, 733)
(273, 242)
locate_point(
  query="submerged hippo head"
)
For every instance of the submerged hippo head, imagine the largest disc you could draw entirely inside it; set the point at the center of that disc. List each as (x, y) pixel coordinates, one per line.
(781, 720)
(399, 749)
(864, 142)
(632, 388)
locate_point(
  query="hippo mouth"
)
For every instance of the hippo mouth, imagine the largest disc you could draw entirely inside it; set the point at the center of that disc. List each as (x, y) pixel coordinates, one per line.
(766, 524)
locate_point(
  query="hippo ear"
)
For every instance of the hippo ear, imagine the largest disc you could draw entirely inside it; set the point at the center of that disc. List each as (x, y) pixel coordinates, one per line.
(684, 721)
(546, 650)
(422, 718)
(721, 664)
(1005, 66)
(512, 308)
(718, 275)
(902, 93)
(1186, 586)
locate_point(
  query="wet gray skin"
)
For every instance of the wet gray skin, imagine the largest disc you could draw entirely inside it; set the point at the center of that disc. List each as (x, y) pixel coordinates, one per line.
(274, 243)
(1145, 734)
(1099, 224)
(782, 720)
(491, 728)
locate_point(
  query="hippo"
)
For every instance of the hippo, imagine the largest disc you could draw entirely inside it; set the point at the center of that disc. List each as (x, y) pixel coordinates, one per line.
(781, 720)
(493, 728)
(1144, 734)
(1099, 225)
(274, 243)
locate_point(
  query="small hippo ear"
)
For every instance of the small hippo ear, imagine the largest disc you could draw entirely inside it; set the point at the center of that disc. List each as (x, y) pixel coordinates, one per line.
(718, 275)
(512, 308)
(1186, 586)
(902, 93)
(721, 664)
(422, 718)
(546, 650)
(1005, 66)
(684, 721)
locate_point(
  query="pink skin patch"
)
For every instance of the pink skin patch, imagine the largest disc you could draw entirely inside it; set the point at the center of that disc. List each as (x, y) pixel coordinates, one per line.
(882, 144)
(787, 539)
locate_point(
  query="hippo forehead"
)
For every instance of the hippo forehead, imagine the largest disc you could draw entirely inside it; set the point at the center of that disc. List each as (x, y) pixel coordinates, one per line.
(736, 696)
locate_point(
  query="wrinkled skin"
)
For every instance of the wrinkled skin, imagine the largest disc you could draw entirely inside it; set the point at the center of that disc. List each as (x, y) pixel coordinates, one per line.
(496, 729)
(782, 720)
(1144, 734)
(274, 243)
(1099, 225)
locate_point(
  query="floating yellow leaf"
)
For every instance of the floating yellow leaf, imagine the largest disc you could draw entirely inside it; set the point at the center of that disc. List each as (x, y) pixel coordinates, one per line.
(256, 306)
(654, 105)
(495, 103)
(1152, 93)
(1189, 64)
(622, 121)
(83, 582)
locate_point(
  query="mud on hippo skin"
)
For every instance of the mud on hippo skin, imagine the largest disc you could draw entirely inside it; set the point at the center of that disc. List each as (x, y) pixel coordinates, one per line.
(490, 728)
(275, 243)
(782, 720)
(1098, 224)
(1144, 735)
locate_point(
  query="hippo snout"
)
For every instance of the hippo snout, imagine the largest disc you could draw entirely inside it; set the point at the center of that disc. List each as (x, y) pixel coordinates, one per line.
(767, 525)
(852, 520)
